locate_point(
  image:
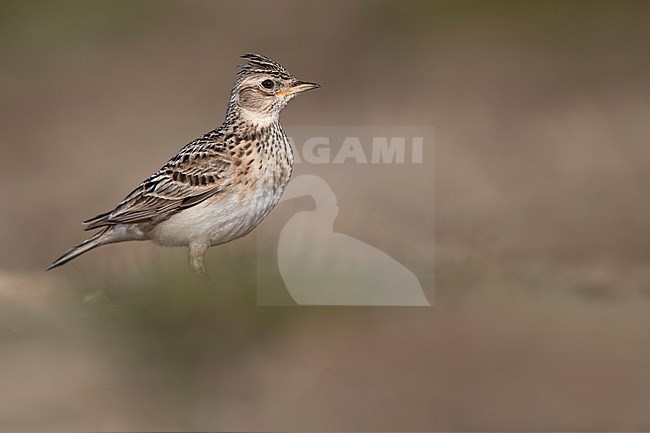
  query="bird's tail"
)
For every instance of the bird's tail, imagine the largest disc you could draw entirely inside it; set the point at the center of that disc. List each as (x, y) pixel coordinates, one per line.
(106, 236)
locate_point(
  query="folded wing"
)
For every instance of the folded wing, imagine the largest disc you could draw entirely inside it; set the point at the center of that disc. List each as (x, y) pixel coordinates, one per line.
(189, 178)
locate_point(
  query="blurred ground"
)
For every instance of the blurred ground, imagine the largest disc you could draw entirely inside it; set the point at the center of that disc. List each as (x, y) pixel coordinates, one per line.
(542, 238)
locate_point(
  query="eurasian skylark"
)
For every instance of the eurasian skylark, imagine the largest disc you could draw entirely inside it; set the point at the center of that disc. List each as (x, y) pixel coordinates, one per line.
(220, 186)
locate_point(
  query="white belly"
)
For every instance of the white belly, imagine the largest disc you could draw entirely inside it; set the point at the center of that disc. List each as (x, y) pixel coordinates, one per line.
(217, 220)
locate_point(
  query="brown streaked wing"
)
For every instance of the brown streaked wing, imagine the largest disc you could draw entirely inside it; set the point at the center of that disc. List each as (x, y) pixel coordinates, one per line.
(180, 184)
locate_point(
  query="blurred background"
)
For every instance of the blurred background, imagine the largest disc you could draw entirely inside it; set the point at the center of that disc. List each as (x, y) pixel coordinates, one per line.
(542, 234)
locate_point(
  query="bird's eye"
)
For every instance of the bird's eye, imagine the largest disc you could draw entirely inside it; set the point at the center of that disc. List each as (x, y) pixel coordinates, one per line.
(268, 84)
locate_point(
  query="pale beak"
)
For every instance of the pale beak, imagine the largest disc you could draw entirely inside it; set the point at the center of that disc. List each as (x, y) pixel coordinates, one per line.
(298, 87)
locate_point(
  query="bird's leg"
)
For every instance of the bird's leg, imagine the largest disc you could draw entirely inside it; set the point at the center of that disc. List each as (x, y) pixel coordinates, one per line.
(197, 251)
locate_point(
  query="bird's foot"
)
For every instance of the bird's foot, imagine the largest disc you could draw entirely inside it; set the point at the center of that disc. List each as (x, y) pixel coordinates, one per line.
(197, 252)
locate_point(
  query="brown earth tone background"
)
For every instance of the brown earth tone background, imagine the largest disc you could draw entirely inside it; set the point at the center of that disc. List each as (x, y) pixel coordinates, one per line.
(542, 237)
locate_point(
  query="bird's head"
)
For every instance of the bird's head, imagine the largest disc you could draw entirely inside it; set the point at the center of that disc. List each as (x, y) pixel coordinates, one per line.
(263, 88)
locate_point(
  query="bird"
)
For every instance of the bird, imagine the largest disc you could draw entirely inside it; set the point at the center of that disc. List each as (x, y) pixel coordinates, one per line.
(220, 186)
